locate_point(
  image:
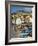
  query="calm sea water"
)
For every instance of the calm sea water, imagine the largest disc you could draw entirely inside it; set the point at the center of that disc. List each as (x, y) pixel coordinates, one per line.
(25, 33)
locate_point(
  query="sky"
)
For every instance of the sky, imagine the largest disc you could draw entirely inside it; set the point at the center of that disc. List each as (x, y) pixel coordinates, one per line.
(16, 8)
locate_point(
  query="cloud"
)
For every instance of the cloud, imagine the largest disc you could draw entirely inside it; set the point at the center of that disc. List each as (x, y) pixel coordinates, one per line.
(17, 8)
